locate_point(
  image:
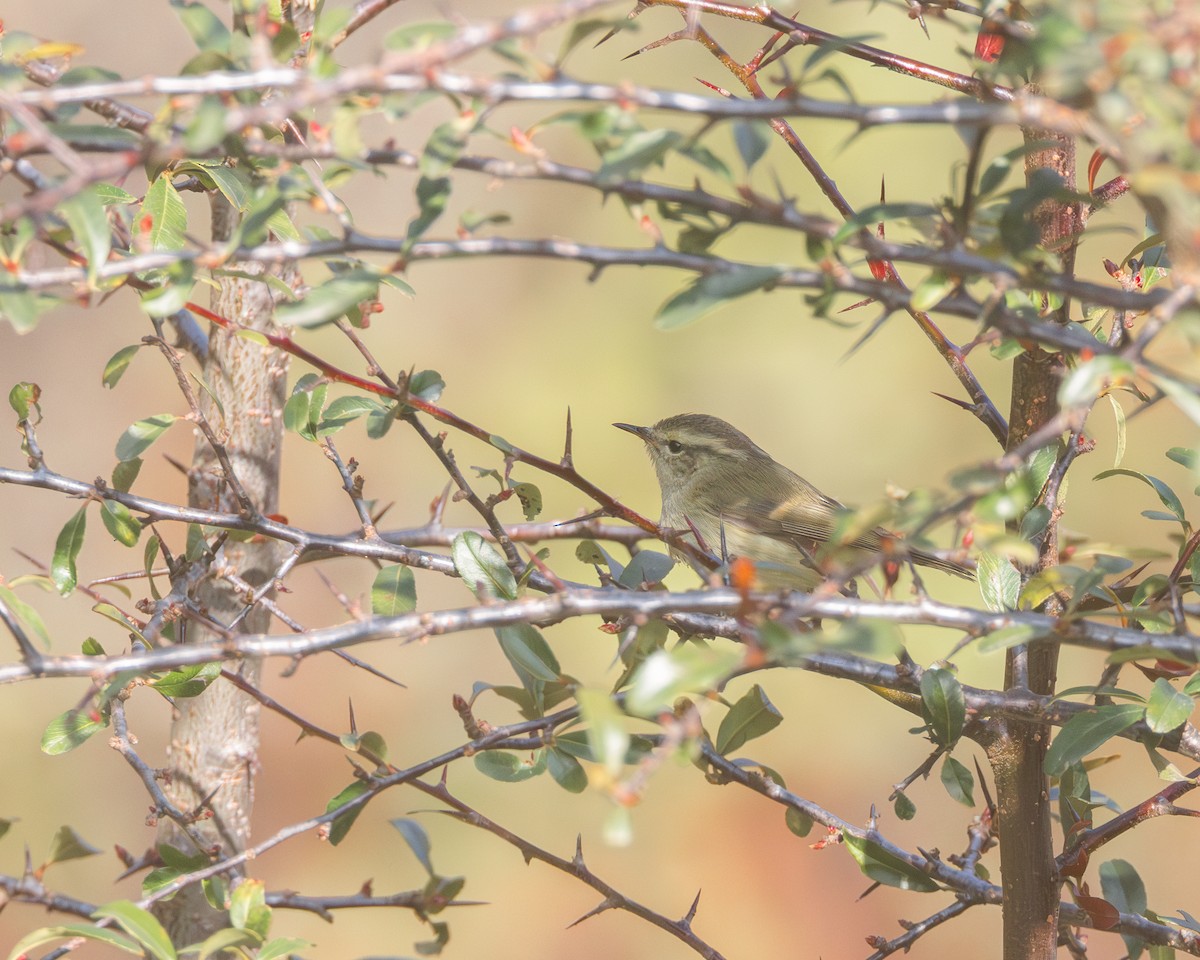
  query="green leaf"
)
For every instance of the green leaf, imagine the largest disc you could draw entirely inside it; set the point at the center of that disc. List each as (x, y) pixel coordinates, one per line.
(68, 845)
(1075, 794)
(904, 807)
(751, 139)
(369, 744)
(432, 196)
(138, 437)
(567, 772)
(666, 675)
(206, 29)
(141, 925)
(1087, 731)
(162, 220)
(343, 411)
(117, 364)
(944, 706)
(877, 213)
(23, 398)
(1185, 457)
(341, 824)
(932, 290)
(999, 582)
(797, 821)
(1034, 522)
(69, 730)
(394, 591)
(500, 443)
(444, 146)
(507, 767)
(125, 473)
(635, 153)
(607, 729)
(420, 35)
(752, 716)
(149, 555)
(66, 550)
(1166, 495)
(264, 205)
(88, 221)
(439, 891)
(380, 421)
(158, 879)
(1123, 888)
(426, 384)
(650, 636)
(109, 612)
(1167, 707)
(281, 226)
(1165, 768)
(1092, 378)
(417, 839)
(230, 181)
(70, 931)
(120, 523)
(248, 908)
(957, 780)
(170, 296)
(330, 22)
(530, 497)
(1119, 420)
(482, 567)
(304, 407)
(282, 947)
(1006, 637)
(330, 300)
(225, 943)
(528, 652)
(205, 130)
(883, 867)
(645, 567)
(711, 291)
(997, 170)
(22, 308)
(189, 681)
(183, 862)
(26, 614)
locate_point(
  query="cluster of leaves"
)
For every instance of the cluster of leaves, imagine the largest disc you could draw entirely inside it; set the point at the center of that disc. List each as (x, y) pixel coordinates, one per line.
(126, 927)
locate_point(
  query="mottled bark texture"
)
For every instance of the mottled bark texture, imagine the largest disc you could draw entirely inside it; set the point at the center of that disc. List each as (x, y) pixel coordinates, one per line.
(1018, 751)
(213, 748)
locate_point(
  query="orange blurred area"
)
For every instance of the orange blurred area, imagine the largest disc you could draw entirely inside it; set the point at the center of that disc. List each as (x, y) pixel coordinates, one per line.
(519, 343)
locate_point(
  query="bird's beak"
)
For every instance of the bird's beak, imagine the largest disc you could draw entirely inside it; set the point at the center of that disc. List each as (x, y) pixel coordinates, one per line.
(643, 432)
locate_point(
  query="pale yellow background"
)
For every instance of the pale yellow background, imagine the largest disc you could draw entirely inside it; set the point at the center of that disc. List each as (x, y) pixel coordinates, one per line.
(518, 342)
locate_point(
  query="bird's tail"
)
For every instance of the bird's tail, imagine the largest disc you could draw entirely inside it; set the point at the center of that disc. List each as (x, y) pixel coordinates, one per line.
(957, 567)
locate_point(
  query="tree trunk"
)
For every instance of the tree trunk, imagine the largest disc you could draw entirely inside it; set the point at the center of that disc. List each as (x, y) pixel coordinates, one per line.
(214, 737)
(1018, 753)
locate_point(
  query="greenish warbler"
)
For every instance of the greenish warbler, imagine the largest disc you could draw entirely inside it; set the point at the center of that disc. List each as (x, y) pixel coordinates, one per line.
(719, 482)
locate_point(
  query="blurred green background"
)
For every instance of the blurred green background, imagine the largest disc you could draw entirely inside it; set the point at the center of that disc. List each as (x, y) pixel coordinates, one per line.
(518, 343)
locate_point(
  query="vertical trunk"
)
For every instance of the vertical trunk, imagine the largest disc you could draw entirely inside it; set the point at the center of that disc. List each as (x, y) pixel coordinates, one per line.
(1018, 752)
(214, 737)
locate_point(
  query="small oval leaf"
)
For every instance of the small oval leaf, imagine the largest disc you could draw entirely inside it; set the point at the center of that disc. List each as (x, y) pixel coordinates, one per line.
(394, 591)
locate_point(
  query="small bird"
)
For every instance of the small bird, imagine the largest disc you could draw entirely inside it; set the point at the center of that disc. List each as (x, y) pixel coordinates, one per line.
(718, 481)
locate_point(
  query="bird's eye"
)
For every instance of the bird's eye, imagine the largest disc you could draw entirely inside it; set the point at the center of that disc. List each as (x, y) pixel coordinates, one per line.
(674, 446)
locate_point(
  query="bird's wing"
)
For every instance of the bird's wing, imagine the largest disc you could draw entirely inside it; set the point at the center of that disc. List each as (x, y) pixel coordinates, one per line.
(805, 517)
